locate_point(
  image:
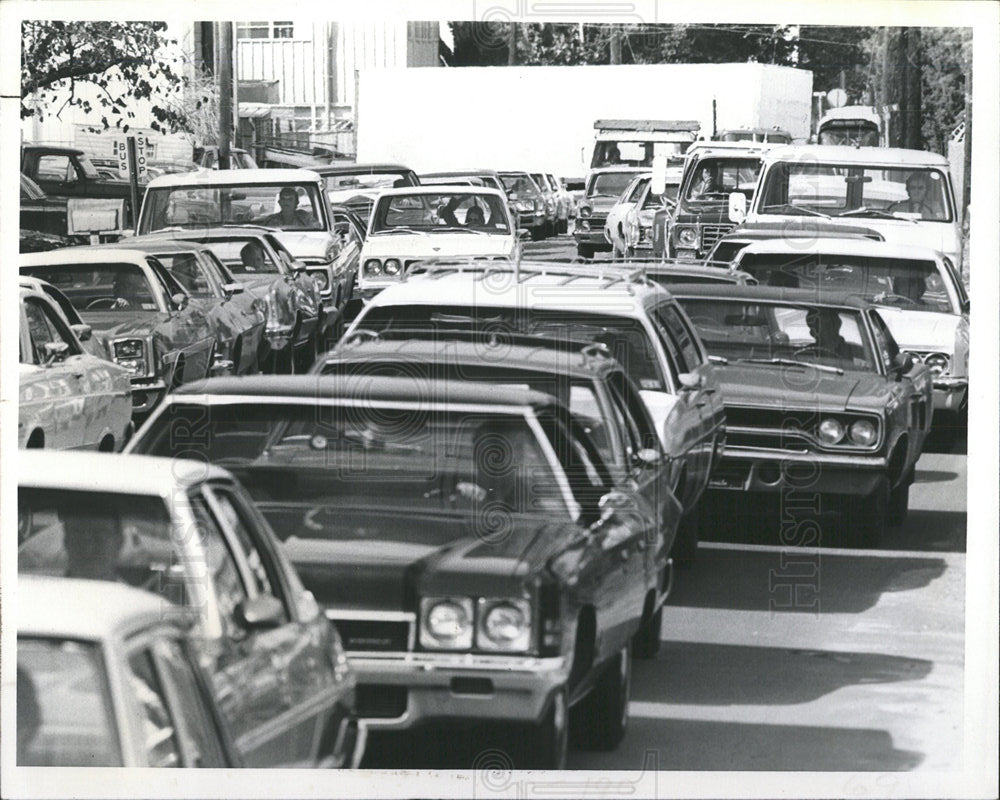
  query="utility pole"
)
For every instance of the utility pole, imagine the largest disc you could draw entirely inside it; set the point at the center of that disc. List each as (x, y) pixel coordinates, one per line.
(912, 106)
(893, 56)
(512, 44)
(616, 44)
(225, 93)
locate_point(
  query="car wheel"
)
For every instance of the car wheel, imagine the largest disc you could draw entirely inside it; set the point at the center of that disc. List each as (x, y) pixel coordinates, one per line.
(600, 719)
(685, 549)
(547, 742)
(899, 501)
(646, 642)
(864, 519)
(585, 251)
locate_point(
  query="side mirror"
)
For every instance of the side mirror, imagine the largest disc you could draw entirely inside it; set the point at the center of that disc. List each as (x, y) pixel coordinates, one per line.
(232, 288)
(83, 331)
(658, 184)
(263, 612)
(722, 361)
(180, 300)
(648, 457)
(737, 207)
(903, 363)
(297, 267)
(55, 351)
(690, 381)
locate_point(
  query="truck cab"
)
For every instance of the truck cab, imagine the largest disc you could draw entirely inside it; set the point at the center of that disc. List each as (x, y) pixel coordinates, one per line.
(634, 143)
(860, 126)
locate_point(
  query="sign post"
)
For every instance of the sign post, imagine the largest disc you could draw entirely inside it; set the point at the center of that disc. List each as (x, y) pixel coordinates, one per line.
(133, 173)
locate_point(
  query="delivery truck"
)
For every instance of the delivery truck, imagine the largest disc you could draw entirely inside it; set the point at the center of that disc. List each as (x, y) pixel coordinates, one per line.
(543, 118)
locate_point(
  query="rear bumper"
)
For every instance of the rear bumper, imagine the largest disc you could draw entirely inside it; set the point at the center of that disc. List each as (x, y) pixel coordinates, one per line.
(764, 470)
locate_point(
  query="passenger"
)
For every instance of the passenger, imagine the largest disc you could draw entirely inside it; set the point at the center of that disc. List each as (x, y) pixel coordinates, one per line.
(185, 269)
(612, 155)
(289, 215)
(252, 257)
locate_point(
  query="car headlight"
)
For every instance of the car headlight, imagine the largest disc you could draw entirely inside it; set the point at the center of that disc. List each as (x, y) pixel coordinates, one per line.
(937, 363)
(830, 431)
(524, 205)
(503, 625)
(446, 623)
(585, 211)
(131, 354)
(863, 433)
(373, 267)
(687, 237)
(392, 266)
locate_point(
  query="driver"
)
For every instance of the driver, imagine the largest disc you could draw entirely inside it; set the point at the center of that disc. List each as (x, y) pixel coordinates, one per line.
(704, 183)
(824, 326)
(130, 290)
(917, 194)
(475, 217)
(289, 215)
(911, 287)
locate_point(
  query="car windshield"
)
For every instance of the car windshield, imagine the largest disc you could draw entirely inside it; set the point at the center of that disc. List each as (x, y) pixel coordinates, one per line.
(64, 713)
(609, 184)
(366, 455)
(609, 153)
(851, 132)
(439, 212)
(741, 330)
(100, 287)
(288, 206)
(856, 190)
(518, 184)
(245, 256)
(909, 283)
(712, 179)
(626, 338)
(342, 187)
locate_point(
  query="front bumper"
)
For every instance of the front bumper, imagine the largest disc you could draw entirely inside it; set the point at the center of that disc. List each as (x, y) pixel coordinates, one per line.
(950, 394)
(766, 470)
(530, 219)
(592, 234)
(459, 686)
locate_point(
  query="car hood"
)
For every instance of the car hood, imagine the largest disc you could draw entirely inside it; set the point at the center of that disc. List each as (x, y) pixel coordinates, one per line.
(601, 203)
(799, 387)
(367, 558)
(306, 244)
(443, 245)
(124, 323)
(922, 330)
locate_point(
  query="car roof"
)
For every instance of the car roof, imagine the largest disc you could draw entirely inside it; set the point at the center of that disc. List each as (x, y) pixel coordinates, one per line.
(218, 232)
(807, 228)
(352, 169)
(436, 189)
(459, 173)
(549, 356)
(83, 254)
(844, 154)
(234, 177)
(582, 288)
(810, 297)
(721, 273)
(90, 610)
(846, 247)
(159, 244)
(310, 388)
(102, 472)
(746, 148)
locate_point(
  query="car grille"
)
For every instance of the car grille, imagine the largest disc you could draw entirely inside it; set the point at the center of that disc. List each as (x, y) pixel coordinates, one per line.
(376, 700)
(374, 635)
(596, 220)
(710, 234)
(781, 429)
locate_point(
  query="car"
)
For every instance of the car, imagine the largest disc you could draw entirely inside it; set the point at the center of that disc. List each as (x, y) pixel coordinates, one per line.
(357, 185)
(603, 189)
(527, 201)
(48, 223)
(587, 380)
(188, 532)
(421, 222)
(852, 185)
(635, 318)
(513, 588)
(808, 228)
(67, 398)
(551, 199)
(83, 332)
(485, 177)
(614, 225)
(238, 316)
(668, 273)
(918, 291)
(142, 314)
(105, 679)
(292, 202)
(770, 135)
(276, 279)
(640, 220)
(818, 397)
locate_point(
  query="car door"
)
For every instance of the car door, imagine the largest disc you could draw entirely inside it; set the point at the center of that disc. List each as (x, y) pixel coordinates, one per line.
(302, 669)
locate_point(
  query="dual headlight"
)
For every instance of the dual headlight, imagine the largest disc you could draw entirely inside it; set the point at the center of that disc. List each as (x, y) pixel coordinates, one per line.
(524, 205)
(131, 354)
(687, 237)
(585, 211)
(321, 277)
(861, 433)
(375, 267)
(937, 363)
(460, 623)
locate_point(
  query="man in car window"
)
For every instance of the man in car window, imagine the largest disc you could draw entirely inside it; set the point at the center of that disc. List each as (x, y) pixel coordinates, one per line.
(917, 198)
(289, 215)
(252, 257)
(824, 326)
(130, 290)
(912, 287)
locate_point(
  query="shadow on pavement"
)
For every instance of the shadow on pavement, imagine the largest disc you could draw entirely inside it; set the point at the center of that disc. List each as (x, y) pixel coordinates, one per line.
(794, 581)
(721, 674)
(678, 744)
(930, 531)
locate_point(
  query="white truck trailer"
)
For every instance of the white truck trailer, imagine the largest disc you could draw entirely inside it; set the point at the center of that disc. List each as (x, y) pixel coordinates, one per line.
(542, 118)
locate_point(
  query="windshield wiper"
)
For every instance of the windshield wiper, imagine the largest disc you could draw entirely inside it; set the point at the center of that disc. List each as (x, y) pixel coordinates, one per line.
(864, 211)
(392, 231)
(453, 229)
(800, 209)
(790, 362)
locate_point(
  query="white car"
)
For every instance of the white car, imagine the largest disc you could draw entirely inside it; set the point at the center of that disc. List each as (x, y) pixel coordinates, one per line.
(920, 297)
(641, 217)
(614, 225)
(419, 223)
(67, 398)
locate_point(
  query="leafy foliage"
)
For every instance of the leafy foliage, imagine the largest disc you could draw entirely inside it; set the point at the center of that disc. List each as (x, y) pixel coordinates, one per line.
(123, 60)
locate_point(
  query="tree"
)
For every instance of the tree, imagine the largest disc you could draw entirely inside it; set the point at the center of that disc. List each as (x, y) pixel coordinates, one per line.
(124, 61)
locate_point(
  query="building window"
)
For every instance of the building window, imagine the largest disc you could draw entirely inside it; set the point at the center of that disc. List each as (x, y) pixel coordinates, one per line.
(265, 30)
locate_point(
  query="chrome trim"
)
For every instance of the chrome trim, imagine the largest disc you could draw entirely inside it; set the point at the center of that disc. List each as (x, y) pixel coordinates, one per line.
(430, 662)
(384, 616)
(798, 433)
(950, 383)
(742, 453)
(234, 399)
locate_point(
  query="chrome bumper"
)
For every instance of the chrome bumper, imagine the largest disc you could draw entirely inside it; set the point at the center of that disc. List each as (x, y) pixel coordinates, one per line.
(950, 394)
(758, 469)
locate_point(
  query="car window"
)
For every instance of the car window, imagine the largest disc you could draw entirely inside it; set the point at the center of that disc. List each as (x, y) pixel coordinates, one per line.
(65, 716)
(884, 341)
(186, 270)
(603, 431)
(196, 728)
(224, 275)
(56, 167)
(159, 738)
(633, 436)
(100, 287)
(42, 329)
(244, 256)
(637, 412)
(681, 334)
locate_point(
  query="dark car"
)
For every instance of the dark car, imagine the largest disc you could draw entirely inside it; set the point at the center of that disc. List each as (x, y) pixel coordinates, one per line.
(187, 532)
(815, 386)
(478, 557)
(526, 201)
(357, 185)
(144, 316)
(237, 315)
(604, 188)
(586, 379)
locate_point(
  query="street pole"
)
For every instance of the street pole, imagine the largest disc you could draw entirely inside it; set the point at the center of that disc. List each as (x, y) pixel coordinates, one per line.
(616, 44)
(225, 93)
(911, 90)
(133, 177)
(512, 44)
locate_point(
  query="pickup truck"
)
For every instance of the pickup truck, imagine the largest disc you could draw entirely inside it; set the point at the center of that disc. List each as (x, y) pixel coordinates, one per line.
(68, 172)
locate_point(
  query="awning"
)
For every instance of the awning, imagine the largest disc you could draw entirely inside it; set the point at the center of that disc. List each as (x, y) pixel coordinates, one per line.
(255, 110)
